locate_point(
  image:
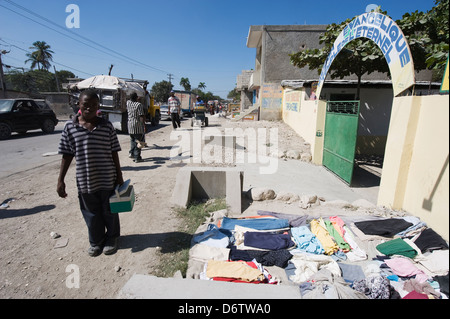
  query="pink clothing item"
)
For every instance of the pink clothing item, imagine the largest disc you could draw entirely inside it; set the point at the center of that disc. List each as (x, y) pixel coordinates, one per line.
(415, 295)
(338, 224)
(404, 267)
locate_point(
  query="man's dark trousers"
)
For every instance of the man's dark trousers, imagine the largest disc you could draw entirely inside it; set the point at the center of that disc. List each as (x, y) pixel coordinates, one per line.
(175, 119)
(101, 222)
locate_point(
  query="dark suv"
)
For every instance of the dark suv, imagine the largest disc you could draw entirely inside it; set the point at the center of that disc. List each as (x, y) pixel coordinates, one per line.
(22, 115)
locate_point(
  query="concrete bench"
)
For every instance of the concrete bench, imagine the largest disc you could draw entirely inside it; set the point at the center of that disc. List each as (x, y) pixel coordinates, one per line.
(197, 183)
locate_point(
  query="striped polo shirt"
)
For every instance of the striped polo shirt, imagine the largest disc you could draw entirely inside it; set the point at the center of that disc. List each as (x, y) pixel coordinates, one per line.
(95, 169)
(135, 111)
(174, 103)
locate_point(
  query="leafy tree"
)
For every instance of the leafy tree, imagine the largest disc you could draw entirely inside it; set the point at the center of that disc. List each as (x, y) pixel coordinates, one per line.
(41, 56)
(426, 33)
(202, 85)
(184, 82)
(428, 37)
(36, 80)
(208, 96)
(63, 75)
(358, 57)
(161, 91)
(234, 95)
(20, 81)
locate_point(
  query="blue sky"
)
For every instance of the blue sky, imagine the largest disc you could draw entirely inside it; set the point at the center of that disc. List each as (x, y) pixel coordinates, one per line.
(203, 40)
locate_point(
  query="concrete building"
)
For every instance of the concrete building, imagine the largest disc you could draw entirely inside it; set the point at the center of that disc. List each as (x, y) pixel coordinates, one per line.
(410, 131)
(242, 86)
(273, 44)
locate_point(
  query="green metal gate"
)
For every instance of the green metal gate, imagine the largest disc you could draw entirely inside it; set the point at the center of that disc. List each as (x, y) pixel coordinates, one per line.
(341, 130)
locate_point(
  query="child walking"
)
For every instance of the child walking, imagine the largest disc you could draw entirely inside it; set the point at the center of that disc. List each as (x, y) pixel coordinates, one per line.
(93, 142)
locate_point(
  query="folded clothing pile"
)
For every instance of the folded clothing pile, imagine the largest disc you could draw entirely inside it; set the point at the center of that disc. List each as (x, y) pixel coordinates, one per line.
(326, 256)
(236, 271)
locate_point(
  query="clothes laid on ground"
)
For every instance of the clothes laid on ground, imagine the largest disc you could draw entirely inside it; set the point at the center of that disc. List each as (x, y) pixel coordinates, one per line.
(415, 295)
(237, 271)
(268, 241)
(213, 236)
(397, 247)
(338, 224)
(356, 253)
(306, 241)
(308, 264)
(326, 285)
(404, 267)
(436, 262)
(430, 240)
(385, 227)
(322, 255)
(417, 226)
(343, 245)
(204, 253)
(420, 287)
(294, 220)
(255, 223)
(443, 282)
(374, 287)
(278, 258)
(318, 228)
(350, 273)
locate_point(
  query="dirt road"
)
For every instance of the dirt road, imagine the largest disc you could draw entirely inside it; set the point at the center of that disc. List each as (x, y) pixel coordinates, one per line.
(31, 265)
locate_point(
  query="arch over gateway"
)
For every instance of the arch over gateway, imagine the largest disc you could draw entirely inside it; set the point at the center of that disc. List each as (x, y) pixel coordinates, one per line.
(389, 38)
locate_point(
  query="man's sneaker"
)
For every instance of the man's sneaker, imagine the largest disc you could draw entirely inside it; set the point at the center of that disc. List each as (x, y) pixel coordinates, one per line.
(110, 246)
(94, 251)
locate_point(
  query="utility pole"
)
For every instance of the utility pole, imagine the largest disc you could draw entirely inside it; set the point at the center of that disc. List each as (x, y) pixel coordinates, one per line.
(2, 75)
(170, 77)
(57, 81)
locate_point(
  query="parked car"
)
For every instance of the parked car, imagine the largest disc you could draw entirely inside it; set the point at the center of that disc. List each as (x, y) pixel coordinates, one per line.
(22, 115)
(164, 111)
(43, 104)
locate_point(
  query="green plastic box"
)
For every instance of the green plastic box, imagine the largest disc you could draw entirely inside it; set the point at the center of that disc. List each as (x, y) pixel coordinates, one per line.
(122, 203)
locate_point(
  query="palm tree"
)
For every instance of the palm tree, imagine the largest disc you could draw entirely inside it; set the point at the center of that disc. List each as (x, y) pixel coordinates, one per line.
(41, 56)
(202, 85)
(184, 82)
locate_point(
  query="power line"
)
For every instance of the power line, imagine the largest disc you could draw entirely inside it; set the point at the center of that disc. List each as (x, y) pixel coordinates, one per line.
(13, 45)
(49, 27)
(82, 37)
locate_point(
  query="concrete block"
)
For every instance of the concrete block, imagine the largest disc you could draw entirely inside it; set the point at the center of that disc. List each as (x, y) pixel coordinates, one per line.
(234, 185)
(209, 182)
(151, 287)
(181, 194)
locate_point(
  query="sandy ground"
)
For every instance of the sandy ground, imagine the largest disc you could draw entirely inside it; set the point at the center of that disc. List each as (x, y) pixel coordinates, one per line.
(33, 266)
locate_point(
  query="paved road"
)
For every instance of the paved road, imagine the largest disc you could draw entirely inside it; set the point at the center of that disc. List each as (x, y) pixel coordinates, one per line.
(33, 149)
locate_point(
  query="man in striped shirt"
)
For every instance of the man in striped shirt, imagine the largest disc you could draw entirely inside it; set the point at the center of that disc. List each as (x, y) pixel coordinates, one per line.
(93, 142)
(136, 126)
(174, 109)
